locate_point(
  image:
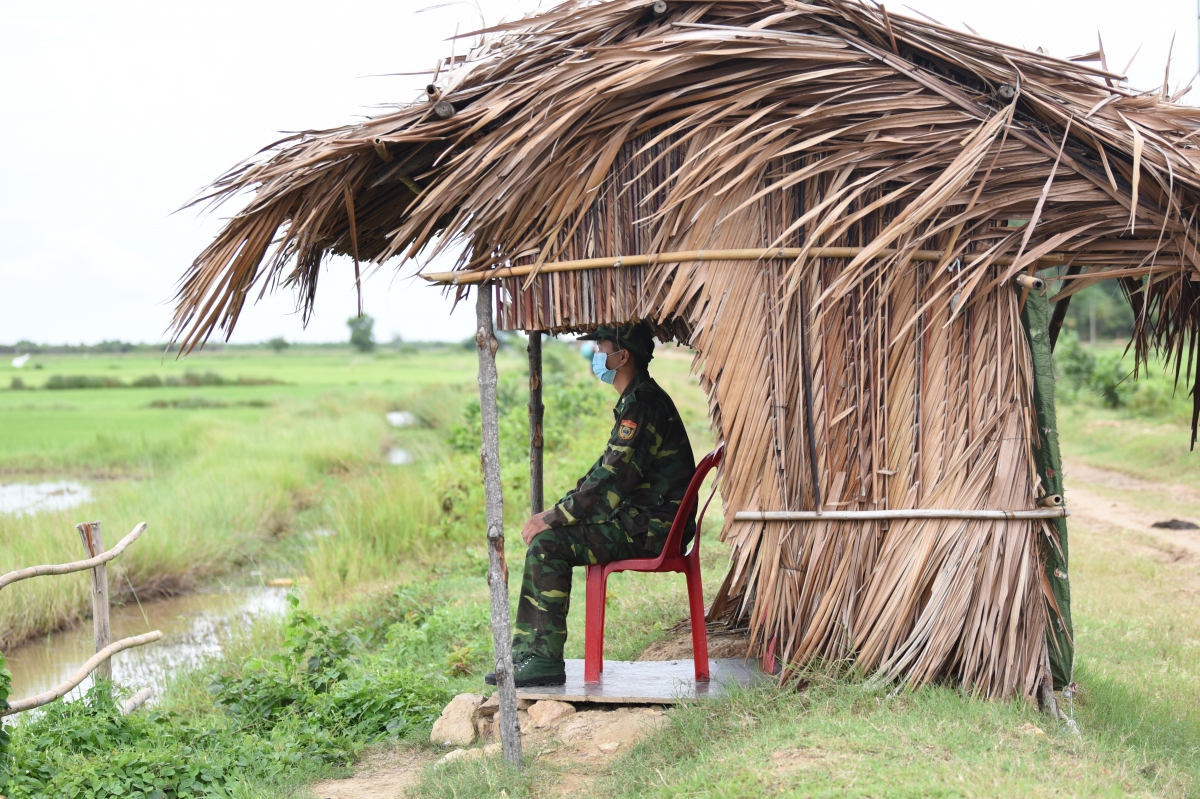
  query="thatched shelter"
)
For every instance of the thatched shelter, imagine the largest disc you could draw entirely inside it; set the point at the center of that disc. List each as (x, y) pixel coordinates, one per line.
(829, 203)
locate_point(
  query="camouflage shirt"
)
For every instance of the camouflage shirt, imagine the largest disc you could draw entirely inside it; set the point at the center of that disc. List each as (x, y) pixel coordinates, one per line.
(644, 472)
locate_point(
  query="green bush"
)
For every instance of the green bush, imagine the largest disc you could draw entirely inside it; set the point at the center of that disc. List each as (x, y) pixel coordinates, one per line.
(17, 384)
(67, 382)
(1074, 364)
(1111, 381)
(147, 381)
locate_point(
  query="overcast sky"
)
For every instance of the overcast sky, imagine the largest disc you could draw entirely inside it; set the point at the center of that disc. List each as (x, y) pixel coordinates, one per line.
(114, 114)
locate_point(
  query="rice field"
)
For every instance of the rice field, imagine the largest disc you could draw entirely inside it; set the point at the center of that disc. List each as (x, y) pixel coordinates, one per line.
(224, 475)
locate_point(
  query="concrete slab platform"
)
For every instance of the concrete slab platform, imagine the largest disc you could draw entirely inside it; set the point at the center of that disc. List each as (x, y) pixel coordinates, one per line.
(648, 682)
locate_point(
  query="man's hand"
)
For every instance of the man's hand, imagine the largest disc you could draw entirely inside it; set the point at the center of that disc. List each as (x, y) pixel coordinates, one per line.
(535, 525)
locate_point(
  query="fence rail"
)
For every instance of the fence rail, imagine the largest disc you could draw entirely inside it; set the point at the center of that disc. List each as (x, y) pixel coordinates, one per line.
(66, 686)
(77, 566)
(96, 562)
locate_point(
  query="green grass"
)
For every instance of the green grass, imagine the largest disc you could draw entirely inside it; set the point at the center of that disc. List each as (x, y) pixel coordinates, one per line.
(218, 487)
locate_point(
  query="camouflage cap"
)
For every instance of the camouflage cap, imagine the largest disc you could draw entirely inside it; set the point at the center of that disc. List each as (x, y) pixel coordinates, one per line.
(635, 337)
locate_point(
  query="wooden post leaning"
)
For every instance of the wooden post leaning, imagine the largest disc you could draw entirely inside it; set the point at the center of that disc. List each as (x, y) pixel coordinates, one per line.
(509, 725)
(537, 499)
(93, 545)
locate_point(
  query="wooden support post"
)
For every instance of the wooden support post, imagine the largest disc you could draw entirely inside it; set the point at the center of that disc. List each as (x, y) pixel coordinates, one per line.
(93, 544)
(537, 499)
(508, 725)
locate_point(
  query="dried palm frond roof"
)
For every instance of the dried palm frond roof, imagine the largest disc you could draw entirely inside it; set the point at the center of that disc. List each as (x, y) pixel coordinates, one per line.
(859, 372)
(960, 131)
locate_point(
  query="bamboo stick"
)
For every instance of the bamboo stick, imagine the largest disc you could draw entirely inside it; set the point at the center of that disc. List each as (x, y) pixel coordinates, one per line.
(537, 500)
(486, 345)
(900, 513)
(76, 566)
(653, 259)
(71, 683)
(136, 701)
(93, 544)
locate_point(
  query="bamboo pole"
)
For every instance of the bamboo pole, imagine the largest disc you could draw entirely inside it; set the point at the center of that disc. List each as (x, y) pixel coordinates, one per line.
(486, 345)
(93, 544)
(900, 513)
(537, 500)
(690, 256)
(136, 701)
(70, 684)
(76, 566)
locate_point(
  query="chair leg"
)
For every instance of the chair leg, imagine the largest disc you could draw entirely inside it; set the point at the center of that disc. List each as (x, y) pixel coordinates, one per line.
(593, 630)
(696, 610)
(603, 617)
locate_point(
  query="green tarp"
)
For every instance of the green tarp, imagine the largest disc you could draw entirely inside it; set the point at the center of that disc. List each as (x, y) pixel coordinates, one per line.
(1035, 316)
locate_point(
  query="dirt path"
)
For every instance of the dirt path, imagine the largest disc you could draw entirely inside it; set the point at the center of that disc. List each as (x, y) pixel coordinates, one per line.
(381, 775)
(1103, 499)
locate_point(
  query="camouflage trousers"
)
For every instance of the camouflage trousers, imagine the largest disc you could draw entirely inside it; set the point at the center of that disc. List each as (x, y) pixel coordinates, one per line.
(546, 585)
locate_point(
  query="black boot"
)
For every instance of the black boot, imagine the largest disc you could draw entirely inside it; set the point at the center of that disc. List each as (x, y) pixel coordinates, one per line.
(530, 669)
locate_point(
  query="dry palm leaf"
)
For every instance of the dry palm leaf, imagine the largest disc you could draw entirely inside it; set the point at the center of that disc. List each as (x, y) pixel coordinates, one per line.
(883, 378)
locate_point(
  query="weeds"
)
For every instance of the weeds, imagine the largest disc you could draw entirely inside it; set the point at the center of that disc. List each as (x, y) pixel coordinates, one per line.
(314, 703)
(5, 741)
(486, 777)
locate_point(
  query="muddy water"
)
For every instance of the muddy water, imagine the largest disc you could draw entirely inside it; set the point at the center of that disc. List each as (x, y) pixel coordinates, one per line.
(29, 498)
(194, 628)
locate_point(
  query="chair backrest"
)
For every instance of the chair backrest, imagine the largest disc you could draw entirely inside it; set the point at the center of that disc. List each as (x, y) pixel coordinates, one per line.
(674, 545)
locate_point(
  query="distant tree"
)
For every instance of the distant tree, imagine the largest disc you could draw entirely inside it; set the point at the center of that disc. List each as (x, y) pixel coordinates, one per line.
(362, 332)
(279, 344)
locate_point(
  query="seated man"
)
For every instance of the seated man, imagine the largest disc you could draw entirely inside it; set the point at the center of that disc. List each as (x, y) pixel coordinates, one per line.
(622, 508)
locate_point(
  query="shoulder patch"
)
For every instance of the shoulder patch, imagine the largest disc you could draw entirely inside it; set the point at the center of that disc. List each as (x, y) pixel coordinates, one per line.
(627, 429)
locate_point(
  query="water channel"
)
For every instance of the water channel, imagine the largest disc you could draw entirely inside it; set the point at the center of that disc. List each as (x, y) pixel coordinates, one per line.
(194, 628)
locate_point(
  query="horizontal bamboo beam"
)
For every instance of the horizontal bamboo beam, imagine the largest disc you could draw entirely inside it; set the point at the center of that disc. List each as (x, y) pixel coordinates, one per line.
(902, 513)
(66, 686)
(77, 566)
(136, 701)
(756, 254)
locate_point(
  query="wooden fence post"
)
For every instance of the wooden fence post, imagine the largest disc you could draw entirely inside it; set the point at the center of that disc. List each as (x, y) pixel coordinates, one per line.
(93, 544)
(537, 500)
(508, 725)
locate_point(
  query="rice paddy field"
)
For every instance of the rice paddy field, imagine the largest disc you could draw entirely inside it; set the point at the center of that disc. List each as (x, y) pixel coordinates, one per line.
(356, 478)
(240, 456)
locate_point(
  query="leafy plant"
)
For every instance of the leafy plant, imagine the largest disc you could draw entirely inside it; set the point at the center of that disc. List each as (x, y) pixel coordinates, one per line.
(314, 659)
(1075, 365)
(5, 693)
(1111, 382)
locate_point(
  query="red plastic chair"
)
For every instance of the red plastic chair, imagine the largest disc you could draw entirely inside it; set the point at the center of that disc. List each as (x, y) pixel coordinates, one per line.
(669, 561)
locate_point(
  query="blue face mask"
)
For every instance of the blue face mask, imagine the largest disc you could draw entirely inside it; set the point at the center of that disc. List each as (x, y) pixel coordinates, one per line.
(600, 368)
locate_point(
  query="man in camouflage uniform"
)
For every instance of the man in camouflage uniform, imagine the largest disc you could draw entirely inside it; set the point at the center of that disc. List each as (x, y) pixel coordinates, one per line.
(622, 508)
